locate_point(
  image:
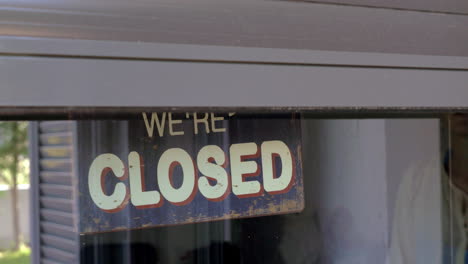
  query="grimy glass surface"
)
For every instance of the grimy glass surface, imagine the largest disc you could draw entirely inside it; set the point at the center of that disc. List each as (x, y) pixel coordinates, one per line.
(361, 190)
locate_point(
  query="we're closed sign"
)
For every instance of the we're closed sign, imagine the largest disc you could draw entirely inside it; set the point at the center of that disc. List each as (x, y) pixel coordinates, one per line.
(165, 168)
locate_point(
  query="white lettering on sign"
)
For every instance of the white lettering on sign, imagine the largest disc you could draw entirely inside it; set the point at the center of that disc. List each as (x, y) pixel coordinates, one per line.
(155, 119)
(274, 184)
(169, 160)
(241, 168)
(211, 162)
(98, 170)
(214, 182)
(172, 122)
(202, 122)
(140, 197)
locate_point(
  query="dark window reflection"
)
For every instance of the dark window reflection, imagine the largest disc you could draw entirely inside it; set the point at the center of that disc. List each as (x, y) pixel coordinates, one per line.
(255, 240)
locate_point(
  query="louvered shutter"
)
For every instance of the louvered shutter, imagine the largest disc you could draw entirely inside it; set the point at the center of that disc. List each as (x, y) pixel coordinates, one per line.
(53, 194)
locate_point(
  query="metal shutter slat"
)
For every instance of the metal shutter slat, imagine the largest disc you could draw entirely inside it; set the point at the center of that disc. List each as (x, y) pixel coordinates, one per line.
(59, 242)
(56, 177)
(56, 190)
(58, 255)
(57, 216)
(58, 230)
(55, 164)
(60, 151)
(50, 261)
(54, 126)
(61, 138)
(57, 204)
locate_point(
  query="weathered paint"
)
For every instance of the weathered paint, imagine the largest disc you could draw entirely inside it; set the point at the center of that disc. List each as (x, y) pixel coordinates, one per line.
(124, 141)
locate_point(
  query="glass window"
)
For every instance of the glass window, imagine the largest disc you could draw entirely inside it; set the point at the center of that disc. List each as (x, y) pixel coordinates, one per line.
(252, 187)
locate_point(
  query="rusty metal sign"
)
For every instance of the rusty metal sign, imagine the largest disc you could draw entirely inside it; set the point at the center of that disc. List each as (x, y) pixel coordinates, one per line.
(159, 169)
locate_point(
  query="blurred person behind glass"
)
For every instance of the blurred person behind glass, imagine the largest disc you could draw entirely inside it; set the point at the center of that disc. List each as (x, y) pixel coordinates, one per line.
(420, 234)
